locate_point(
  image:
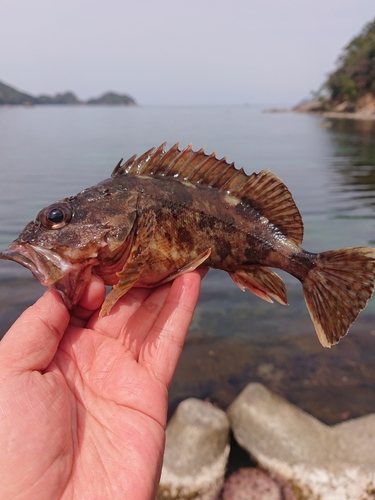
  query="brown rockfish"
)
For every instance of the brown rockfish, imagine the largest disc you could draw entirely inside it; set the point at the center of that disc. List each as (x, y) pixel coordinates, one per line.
(168, 212)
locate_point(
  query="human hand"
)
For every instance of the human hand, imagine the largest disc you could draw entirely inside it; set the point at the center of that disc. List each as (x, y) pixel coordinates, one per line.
(83, 400)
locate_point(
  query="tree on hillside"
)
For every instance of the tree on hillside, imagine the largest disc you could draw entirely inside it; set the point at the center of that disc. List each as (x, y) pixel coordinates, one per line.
(355, 74)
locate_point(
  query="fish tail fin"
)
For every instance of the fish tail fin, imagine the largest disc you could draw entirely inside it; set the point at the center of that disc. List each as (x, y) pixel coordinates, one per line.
(336, 290)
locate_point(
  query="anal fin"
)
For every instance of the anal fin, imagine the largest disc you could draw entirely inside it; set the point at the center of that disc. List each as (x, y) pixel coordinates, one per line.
(262, 282)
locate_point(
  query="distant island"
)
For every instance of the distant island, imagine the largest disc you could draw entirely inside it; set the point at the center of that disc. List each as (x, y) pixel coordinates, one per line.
(349, 91)
(10, 96)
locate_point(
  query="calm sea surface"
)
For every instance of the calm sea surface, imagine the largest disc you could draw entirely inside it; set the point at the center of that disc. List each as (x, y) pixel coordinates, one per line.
(47, 153)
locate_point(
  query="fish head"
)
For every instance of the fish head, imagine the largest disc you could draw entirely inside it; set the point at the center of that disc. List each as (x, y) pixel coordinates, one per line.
(71, 237)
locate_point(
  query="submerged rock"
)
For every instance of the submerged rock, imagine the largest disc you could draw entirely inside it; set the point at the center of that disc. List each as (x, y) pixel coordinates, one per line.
(196, 452)
(329, 463)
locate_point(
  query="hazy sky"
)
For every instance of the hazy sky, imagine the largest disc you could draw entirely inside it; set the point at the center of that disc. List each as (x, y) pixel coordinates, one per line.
(177, 51)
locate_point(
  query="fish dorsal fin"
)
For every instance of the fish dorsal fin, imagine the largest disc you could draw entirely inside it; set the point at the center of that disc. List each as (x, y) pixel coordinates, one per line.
(264, 191)
(271, 198)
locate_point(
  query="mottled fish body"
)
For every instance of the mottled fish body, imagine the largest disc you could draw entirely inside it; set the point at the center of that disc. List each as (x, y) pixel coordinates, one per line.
(169, 212)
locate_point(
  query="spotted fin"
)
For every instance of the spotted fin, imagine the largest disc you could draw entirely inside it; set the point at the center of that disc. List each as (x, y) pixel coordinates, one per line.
(135, 264)
(264, 191)
(262, 282)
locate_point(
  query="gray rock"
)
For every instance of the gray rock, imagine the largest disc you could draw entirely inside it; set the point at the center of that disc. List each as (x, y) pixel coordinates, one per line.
(196, 452)
(325, 463)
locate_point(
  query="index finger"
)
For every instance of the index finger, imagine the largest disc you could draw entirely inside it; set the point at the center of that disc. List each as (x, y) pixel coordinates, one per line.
(162, 347)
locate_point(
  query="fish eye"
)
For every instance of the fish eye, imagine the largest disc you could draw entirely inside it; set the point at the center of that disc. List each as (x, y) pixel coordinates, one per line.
(55, 216)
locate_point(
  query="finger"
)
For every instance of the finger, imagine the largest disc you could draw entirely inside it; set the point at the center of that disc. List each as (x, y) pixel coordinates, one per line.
(202, 271)
(163, 346)
(32, 341)
(91, 300)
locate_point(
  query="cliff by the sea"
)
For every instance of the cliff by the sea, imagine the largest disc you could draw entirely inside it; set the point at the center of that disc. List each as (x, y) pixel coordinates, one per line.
(349, 91)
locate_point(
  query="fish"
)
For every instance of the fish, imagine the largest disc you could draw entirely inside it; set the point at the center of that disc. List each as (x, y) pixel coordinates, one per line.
(168, 212)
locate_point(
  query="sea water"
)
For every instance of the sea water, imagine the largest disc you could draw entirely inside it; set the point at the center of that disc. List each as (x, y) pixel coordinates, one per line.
(48, 153)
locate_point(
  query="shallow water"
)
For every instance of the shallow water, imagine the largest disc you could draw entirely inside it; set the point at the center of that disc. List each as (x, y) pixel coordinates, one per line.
(329, 166)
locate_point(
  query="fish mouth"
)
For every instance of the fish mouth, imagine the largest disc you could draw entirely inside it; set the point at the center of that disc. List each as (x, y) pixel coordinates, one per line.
(51, 270)
(41, 262)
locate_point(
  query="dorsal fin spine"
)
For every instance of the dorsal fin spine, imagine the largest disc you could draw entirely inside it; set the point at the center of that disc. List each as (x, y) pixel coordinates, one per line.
(171, 153)
(141, 162)
(187, 154)
(122, 169)
(129, 163)
(185, 169)
(117, 167)
(218, 176)
(152, 161)
(173, 163)
(195, 171)
(227, 185)
(264, 192)
(206, 169)
(238, 182)
(211, 169)
(165, 158)
(188, 169)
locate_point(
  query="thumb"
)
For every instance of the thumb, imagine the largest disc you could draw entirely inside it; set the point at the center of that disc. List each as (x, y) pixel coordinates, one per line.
(32, 341)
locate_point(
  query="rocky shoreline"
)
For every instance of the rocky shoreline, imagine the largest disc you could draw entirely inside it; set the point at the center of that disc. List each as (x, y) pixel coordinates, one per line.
(362, 109)
(297, 456)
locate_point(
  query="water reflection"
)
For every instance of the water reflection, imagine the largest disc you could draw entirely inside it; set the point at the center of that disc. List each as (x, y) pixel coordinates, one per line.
(353, 164)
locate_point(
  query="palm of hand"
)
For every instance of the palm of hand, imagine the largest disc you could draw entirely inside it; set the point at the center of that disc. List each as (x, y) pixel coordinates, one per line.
(93, 419)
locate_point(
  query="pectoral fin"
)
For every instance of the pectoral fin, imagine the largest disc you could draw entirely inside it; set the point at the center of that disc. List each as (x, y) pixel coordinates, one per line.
(135, 264)
(262, 282)
(188, 267)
